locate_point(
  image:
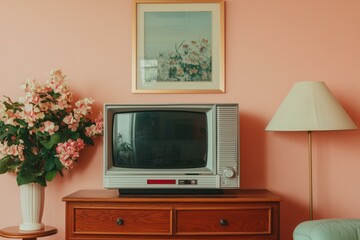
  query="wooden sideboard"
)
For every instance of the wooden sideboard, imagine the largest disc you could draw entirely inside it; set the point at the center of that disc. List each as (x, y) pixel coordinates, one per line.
(104, 214)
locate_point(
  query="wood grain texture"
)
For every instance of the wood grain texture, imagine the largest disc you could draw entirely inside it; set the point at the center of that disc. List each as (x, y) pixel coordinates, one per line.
(14, 232)
(246, 214)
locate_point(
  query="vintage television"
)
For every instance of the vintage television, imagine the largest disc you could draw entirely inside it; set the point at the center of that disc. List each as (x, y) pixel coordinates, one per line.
(176, 148)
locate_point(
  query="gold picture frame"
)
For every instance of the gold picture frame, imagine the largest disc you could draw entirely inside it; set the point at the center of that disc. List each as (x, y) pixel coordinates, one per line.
(178, 46)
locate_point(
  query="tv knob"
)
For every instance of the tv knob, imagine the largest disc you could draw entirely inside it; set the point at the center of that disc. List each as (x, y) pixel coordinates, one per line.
(229, 172)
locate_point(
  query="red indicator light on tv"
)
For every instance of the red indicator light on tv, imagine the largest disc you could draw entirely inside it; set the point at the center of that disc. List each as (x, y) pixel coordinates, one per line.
(161, 181)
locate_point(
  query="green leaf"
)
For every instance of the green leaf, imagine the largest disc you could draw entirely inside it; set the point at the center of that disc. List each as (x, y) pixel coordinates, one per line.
(88, 141)
(51, 175)
(54, 139)
(56, 95)
(5, 163)
(40, 180)
(58, 164)
(4, 135)
(21, 122)
(37, 172)
(24, 179)
(49, 165)
(75, 136)
(46, 144)
(8, 105)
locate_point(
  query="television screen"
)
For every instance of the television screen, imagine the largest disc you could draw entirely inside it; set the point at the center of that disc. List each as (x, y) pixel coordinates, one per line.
(160, 139)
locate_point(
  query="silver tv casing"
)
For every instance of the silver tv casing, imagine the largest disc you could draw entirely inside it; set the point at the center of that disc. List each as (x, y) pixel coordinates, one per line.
(223, 152)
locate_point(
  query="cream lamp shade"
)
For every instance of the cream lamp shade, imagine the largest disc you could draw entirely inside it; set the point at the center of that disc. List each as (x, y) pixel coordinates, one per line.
(310, 106)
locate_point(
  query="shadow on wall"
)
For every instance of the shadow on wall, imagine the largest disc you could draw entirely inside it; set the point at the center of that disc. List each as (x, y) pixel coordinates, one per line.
(292, 212)
(252, 149)
(254, 167)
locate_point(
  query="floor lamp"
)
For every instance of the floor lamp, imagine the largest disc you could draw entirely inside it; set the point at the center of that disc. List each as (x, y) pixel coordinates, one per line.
(309, 107)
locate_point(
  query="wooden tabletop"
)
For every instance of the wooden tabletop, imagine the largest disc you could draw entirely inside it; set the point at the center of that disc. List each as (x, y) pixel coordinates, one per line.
(15, 232)
(239, 195)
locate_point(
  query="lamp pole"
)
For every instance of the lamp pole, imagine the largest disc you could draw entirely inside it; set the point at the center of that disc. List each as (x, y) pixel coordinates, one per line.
(310, 175)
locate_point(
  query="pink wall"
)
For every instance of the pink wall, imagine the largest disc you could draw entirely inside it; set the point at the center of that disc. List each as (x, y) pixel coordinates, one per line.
(270, 45)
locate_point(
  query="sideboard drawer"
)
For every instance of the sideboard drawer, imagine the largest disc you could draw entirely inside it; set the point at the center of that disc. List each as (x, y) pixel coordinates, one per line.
(123, 221)
(106, 215)
(232, 220)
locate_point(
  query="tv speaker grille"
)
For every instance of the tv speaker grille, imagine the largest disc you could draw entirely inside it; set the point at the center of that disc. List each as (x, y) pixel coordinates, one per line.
(227, 137)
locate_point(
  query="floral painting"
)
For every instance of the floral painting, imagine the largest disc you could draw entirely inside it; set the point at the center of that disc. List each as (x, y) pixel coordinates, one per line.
(188, 62)
(179, 47)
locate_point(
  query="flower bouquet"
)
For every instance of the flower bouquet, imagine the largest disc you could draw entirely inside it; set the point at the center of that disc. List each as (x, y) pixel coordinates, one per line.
(42, 133)
(189, 62)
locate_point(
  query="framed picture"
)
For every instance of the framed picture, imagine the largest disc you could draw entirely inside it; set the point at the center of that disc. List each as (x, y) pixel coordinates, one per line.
(178, 46)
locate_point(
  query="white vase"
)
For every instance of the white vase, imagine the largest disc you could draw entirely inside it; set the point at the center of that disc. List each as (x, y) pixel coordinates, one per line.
(32, 206)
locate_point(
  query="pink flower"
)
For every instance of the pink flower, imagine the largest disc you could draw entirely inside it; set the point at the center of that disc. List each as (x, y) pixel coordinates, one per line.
(31, 114)
(84, 102)
(3, 147)
(97, 128)
(56, 82)
(83, 107)
(62, 102)
(10, 117)
(68, 152)
(45, 109)
(58, 85)
(80, 144)
(49, 127)
(21, 152)
(69, 119)
(74, 127)
(12, 150)
(31, 86)
(90, 131)
(44, 106)
(35, 150)
(72, 122)
(68, 164)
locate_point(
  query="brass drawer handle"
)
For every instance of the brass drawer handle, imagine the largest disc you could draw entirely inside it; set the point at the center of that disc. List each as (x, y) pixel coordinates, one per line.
(223, 222)
(120, 221)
